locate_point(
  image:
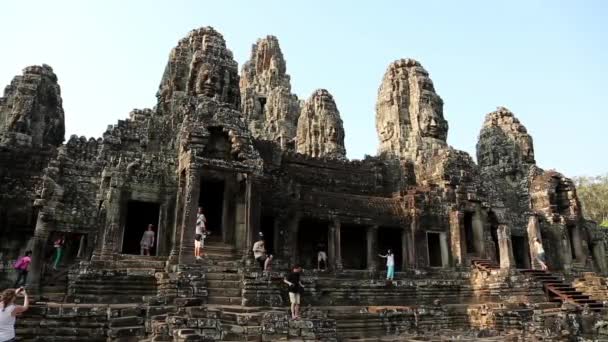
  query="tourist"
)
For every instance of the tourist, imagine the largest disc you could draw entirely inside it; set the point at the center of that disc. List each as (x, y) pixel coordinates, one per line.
(147, 240)
(200, 234)
(259, 251)
(540, 254)
(9, 311)
(268, 263)
(21, 266)
(295, 290)
(390, 264)
(58, 245)
(321, 259)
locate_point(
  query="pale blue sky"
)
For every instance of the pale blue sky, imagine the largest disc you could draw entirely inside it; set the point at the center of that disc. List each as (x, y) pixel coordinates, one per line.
(547, 61)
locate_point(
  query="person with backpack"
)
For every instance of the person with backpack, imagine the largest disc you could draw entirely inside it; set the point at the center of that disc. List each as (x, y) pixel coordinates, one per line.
(21, 266)
(9, 311)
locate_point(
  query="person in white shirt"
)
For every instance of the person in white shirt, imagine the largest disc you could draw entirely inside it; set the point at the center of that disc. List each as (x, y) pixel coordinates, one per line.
(321, 259)
(147, 240)
(540, 254)
(259, 251)
(200, 234)
(9, 311)
(390, 264)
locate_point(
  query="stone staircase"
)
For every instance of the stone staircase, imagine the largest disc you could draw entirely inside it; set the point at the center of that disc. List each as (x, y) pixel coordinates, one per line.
(240, 323)
(592, 284)
(53, 287)
(559, 291)
(130, 281)
(484, 264)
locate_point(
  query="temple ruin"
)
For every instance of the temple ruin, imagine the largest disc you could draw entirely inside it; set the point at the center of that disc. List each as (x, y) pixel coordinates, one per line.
(259, 159)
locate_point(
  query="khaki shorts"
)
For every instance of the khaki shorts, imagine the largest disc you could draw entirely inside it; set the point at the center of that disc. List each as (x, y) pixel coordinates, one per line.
(199, 244)
(294, 298)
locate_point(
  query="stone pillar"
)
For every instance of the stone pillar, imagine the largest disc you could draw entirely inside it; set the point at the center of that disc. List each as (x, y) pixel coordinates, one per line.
(254, 211)
(37, 245)
(505, 247)
(372, 248)
(177, 220)
(443, 243)
(331, 246)
(577, 244)
(566, 249)
(478, 232)
(188, 219)
(411, 238)
(533, 233)
(457, 239)
(338, 246)
(294, 230)
(599, 255)
(81, 246)
(406, 246)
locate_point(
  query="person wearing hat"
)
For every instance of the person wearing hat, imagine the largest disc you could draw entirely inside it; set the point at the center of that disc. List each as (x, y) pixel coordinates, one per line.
(259, 251)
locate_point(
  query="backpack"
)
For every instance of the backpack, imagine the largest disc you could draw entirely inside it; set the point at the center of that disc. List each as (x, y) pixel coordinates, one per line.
(18, 264)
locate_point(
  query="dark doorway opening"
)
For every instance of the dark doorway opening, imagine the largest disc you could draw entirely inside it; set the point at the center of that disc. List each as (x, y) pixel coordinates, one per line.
(312, 236)
(139, 216)
(353, 241)
(211, 199)
(390, 238)
(267, 225)
(262, 101)
(520, 246)
(494, 232)
(434, 247)
(571, 237)
(468, 232)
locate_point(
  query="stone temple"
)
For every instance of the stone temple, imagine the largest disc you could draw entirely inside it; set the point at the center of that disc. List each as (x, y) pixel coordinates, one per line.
(260, 159)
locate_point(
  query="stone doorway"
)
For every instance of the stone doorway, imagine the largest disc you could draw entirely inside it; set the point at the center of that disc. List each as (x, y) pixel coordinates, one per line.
(353, 240)
(520, 248)
(437, 249)
(139, 216)
(312, 234)
(468, 232)
(390, 237)
(267, 228)
(211, 199)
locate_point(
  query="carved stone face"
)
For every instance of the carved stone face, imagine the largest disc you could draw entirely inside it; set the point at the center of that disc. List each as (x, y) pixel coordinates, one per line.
(432, 123)
(387, 131)
(208, 81)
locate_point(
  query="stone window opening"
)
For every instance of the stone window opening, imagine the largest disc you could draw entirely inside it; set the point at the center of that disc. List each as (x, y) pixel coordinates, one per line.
(434, 249)
(312, 235)
(262, 101)
(139, 215)
(353, 240)
(218, 145)
(211, 199)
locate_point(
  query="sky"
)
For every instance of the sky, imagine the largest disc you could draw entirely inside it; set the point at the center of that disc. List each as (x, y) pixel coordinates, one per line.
(547, 61)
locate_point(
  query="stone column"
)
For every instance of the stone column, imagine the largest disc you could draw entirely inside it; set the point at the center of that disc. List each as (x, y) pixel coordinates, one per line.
(372, 248)
(533, 233)
(338, 246)
(331, 246)
(177, 220)
(577, 245)
(81, 245)
(188, 219)
(37, 245)
(478, 232)
(599, 255)
(406, 246)
(443, 243)
(294, 230)
(457, 239)
(505, 247)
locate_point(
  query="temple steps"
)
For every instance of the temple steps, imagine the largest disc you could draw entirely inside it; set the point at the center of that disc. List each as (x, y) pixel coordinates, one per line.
(559, 291)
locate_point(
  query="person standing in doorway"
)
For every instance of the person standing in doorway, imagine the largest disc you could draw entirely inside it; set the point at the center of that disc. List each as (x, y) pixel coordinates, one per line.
(540, 254)
(259, 251)
(147, 240)
(9, 311)
(321, 258)
(390, 264)
(295, 290)
(200, 234)
(21, 266)
(268, 263)
(59, 244)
